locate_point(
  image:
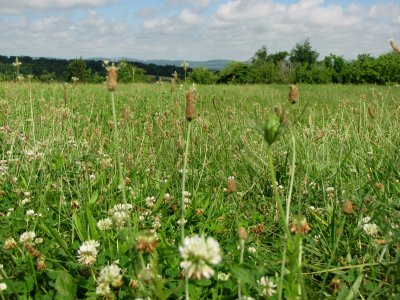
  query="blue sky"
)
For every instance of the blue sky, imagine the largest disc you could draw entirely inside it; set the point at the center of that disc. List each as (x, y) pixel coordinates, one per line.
(195, 29)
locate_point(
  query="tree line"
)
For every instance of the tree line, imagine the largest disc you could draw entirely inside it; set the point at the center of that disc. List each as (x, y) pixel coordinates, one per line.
(300, 65)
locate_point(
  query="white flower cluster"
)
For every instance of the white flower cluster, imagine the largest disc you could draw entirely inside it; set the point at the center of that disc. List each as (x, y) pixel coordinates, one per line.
(87, 252)
(109, 275)
(120, 214)
(197, 252)
(369, 228)
(268, 286)
(27, 237)
(3, 286)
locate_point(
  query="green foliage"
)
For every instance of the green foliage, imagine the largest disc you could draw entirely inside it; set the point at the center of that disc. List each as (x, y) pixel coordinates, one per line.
(302, 53)
(202, 75)
(77, 68)
(235, 72)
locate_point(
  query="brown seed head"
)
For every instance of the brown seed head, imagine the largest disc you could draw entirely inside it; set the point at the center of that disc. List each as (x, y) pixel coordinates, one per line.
(112, 78)
(32, 250)
(293, 94)
(147, 243)
(231, 185)
(9, 244)
(242, 233)
(379, 186)
(299, 225)
(190, 110)
(348, 207)
(41, 264)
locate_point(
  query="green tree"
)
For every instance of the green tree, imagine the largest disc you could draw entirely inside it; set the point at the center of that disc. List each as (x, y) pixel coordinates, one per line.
(77, 68)
(302, 53)
(235, 72)
(203, 76)
(125, 74)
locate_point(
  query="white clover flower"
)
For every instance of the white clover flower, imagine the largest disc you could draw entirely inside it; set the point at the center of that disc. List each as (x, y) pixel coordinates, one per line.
(180, 221)
(38, 240)
(87, 252)
(111, 275)
(30, 212)
(104, 224)
(197, 252)
(150, 201)
(27, 237)
(366, 220)
(3, 286)
(252, 250)
(330, 190)
(103, 289)
(268, 286)
(92, 177)
(371, 229)
(120, 214)
(222, 276)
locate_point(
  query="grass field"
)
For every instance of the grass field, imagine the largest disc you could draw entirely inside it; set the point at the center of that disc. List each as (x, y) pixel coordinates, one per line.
(336, 161)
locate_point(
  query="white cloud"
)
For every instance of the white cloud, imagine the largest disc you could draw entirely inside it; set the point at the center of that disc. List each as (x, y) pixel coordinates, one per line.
(203, 29)
(13, 6)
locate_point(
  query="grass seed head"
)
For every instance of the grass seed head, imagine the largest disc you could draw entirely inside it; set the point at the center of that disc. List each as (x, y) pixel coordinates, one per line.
(348, 207)
(231, 185)
(242, 233)
(394, 46)
(294, 94)
(190, 108)
(112, 77)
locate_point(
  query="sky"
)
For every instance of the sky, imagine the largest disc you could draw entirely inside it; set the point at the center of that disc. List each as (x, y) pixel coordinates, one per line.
(195, 29)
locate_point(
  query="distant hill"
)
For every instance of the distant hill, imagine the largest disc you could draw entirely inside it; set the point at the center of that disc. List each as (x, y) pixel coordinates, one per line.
(213, 64)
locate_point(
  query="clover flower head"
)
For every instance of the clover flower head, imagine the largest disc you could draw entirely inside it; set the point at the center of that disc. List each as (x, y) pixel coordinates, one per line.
(27, 237)
(268, 286)
(197, 253)
(87, 252)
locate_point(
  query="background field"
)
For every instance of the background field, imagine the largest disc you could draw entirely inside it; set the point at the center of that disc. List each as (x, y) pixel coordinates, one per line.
(58, 158)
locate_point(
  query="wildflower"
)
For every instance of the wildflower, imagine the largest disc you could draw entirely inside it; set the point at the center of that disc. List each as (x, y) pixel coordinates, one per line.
(330, 191)
(268, 286)
(366, 220)
(92, 177)
(150, 201)
(3, 286)
(299, 225)
(9, 244)
(87, 252)
(147, 242)
(30, 212)
(197, 253)
(38, 240)
(371, 229)
(222, 276)
(252, 250)
(180, 221)
(120, 214)
(111, 275)
(27, 237)
(41, 264)
(104, 224)
(103, 289)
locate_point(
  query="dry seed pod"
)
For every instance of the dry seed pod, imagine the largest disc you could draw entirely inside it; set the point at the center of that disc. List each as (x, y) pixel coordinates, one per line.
(293, 94)
(190, 110)
(112, 78)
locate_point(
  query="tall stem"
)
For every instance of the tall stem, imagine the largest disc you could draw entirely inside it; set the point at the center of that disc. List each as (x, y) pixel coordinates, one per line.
(183, 202)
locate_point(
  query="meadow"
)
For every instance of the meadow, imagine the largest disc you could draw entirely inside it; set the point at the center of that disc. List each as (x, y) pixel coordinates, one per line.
(254, 198)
